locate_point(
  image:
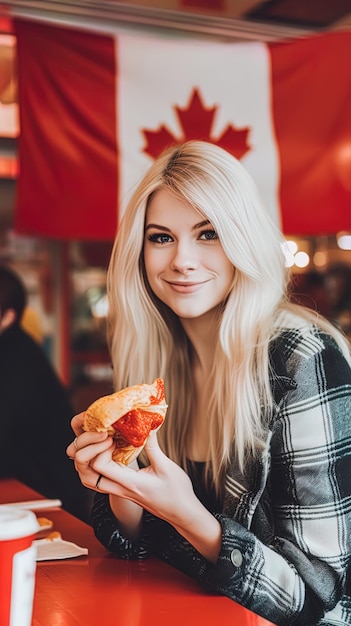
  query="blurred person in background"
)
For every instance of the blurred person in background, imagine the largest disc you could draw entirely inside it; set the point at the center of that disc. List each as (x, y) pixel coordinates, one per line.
(31, 323)
(308, 290)
(35, 408)
(337, 286)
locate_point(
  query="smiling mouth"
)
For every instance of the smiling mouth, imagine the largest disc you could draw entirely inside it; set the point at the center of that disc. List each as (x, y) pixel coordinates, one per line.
(182, 284)
(185, 287)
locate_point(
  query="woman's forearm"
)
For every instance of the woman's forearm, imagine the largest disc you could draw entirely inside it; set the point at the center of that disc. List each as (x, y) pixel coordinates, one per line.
(129, 516)
(200, 528)
(204, 532)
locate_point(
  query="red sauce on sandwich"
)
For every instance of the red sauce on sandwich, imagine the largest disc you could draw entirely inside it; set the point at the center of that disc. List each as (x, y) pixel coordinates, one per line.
(134, 427)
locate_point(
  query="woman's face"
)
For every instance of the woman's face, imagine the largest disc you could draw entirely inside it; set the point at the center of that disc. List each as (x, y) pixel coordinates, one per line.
(185, 263)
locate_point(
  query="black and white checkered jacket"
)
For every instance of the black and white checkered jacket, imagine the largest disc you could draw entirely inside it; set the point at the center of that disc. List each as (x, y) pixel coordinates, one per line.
(286, 543)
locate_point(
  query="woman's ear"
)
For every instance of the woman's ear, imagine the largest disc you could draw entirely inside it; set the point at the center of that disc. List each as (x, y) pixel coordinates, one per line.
(7, 319)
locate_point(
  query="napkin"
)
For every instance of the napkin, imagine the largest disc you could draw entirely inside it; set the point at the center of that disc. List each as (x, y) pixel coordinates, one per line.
(54, 547)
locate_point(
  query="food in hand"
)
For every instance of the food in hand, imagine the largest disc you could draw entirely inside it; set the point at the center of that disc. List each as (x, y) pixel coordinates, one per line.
(128, 415)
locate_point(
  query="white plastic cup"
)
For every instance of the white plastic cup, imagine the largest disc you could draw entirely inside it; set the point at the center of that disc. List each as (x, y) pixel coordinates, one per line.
(17, 565)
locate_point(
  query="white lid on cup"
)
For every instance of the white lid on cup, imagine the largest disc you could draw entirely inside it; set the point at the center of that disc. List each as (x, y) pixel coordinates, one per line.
(16, 523)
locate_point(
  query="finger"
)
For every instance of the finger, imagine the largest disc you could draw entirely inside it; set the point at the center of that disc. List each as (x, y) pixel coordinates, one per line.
(77, 423)
(91, 449)
(102, 474)
(100, 477)
(102, 484)
(122, 479)
(152, 447)
(82, 441)
(94, 481)
(85, 460)
(71, 450)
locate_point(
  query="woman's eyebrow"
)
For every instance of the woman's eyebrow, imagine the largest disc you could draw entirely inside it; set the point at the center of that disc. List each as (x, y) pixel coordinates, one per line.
(157, 227)
(201, 224)
(164, 228)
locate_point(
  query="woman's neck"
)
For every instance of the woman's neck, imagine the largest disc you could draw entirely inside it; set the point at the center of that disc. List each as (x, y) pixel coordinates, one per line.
(203, 335)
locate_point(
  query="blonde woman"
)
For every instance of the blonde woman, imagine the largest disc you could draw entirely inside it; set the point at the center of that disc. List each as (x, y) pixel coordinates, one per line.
(246, 487)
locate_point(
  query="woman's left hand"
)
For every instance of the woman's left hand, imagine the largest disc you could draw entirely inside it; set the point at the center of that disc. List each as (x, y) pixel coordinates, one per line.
(165, 490)
(162, 487)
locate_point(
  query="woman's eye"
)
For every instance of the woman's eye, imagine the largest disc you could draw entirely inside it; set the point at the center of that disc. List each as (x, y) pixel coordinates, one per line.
(159, 238)
(208, 235)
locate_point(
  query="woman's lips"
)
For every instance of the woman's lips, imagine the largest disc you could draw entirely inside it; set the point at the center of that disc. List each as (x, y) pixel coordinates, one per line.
(185, 287)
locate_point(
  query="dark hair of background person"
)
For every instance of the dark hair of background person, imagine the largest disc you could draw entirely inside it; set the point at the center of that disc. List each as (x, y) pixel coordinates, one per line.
(337, 288)
(308, 290)
(12, 294)
(35, 409)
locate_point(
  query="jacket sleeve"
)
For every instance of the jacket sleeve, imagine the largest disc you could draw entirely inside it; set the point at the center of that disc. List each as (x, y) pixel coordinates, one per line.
(158, 539)
(107, 532)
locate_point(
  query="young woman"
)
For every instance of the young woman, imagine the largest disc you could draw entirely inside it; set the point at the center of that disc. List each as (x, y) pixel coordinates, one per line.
(247, 485)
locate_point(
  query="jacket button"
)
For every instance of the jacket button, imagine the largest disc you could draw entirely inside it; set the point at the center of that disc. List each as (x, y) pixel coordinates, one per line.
(236, 557)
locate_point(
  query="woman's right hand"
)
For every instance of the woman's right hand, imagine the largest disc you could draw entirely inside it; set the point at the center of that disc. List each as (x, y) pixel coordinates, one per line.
(85, 447)
(85, 450)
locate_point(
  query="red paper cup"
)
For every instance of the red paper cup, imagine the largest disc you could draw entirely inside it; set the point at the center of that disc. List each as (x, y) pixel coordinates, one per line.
(17, 565)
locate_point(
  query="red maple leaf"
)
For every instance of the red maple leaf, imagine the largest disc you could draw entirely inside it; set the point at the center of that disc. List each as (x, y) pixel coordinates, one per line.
(196, 122)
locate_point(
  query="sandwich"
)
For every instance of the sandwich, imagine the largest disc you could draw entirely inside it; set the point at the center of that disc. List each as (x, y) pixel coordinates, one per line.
(128, 415)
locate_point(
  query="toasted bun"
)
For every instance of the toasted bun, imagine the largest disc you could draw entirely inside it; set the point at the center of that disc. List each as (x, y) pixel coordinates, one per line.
(143, 401)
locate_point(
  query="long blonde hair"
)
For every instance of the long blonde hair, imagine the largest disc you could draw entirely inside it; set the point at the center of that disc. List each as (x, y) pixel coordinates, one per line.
(147, 340)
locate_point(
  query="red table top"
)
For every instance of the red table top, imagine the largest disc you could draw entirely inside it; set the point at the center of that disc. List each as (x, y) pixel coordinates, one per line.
(101, 590)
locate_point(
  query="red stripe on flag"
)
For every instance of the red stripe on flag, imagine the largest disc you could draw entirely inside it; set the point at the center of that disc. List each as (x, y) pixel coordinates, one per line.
(68, 183)
(311, 99)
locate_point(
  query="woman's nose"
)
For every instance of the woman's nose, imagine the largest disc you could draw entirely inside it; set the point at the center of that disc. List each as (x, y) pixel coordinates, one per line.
(185, 258)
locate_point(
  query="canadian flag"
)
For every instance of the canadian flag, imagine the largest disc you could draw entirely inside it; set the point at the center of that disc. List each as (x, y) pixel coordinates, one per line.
(97, 109)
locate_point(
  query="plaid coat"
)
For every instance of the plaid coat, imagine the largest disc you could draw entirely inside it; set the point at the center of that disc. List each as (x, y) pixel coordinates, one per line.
(286, 524)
